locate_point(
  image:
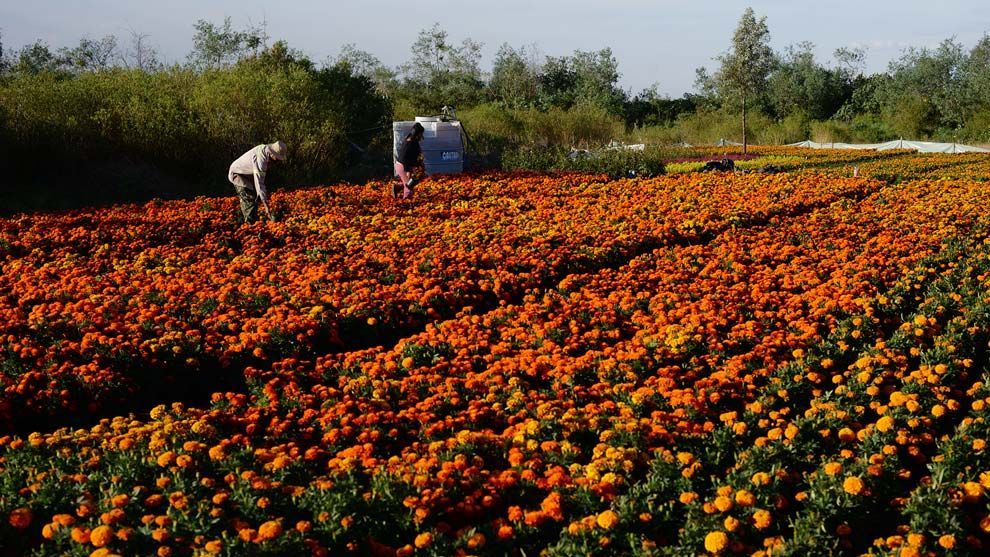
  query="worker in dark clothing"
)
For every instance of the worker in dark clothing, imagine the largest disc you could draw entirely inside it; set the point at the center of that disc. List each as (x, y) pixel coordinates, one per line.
(408, 158)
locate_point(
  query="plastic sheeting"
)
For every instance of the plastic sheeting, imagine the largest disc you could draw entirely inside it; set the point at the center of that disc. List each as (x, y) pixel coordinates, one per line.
(920, 146)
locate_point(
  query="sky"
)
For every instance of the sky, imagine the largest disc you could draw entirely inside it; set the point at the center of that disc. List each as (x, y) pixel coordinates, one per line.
(657, 42)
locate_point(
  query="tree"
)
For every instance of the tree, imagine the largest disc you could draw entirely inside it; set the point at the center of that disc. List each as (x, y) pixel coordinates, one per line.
(140, 54)
(90, 54)
(597, 75)
(650, 108)
(4, 65)
(515, 76)
(361, 63)
(746, 66)
(38, 57)
(281, 56)
(976, 77)
(219, 47)
(850, 62)
(558, 83)
(799, 85)
(586, 77)
(926, 89)
(441, 72)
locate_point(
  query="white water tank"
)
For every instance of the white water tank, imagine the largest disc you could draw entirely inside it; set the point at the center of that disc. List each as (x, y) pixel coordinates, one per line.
(442, 144)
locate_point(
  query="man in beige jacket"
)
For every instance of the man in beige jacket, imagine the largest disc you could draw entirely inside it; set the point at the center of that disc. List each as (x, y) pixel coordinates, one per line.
(247, 173)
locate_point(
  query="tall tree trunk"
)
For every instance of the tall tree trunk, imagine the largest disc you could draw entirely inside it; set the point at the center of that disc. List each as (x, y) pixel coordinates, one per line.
(745, 138)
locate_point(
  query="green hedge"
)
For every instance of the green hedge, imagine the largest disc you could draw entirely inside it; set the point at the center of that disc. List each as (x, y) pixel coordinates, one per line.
(182, 127)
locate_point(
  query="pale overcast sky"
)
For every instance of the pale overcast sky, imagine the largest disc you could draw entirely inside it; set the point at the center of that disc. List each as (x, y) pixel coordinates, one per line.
(654, 41)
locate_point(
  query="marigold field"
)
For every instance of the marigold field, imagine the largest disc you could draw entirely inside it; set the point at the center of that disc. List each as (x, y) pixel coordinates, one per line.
(511, 364)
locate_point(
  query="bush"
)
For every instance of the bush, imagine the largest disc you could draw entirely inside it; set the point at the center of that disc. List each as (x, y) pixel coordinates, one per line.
(183, 126)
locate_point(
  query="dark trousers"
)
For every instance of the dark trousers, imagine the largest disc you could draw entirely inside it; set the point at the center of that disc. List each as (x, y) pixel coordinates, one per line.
(244, 185)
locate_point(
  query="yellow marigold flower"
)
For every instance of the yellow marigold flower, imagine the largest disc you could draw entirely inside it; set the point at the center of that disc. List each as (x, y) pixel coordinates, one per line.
(947, 541)
(745, 498)
(853, 485)
(885, 424)
(760, 479)
(731, 523)
(972, 490)
(846, 435)
(716, 542)
(762, 519)
(158, 412)
(607, 519)
(723, 503)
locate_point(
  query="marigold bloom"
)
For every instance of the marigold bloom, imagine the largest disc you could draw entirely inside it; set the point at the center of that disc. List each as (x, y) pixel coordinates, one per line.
(716, 542)
(762, 519)
(101, 536)
(853, 485)
(607, 519)
(269, 530)
(21, 518)
(424, 539)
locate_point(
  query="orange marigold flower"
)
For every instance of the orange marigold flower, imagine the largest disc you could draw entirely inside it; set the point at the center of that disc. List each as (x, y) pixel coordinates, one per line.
(853, 485)
(723, 503)
(716, 542)
(101, 536)
(269, 530)
(688, 497)
(166, 458)
(80, 534)
(423, 540)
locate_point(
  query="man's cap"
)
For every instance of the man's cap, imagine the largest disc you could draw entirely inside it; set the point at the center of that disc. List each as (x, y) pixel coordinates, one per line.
(278, 150)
